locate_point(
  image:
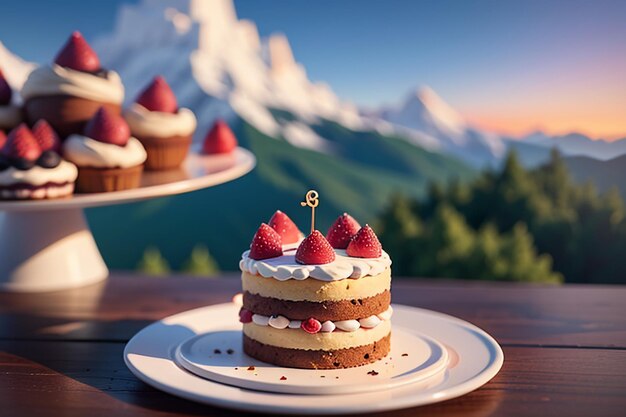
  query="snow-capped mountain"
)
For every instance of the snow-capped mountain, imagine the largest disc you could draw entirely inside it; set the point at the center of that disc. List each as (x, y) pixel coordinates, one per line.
(577, 144)
(424, 111)
(220, 67)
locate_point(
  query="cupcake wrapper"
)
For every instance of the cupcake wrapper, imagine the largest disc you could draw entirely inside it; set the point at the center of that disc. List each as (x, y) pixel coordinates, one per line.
(102, 180)
(165, 153)
(66, 114)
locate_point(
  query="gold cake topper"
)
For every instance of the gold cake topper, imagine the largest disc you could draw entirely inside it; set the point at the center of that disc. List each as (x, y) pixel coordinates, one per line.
(312, 200)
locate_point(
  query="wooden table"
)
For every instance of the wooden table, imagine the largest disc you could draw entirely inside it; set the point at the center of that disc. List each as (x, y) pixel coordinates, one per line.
(61, 353)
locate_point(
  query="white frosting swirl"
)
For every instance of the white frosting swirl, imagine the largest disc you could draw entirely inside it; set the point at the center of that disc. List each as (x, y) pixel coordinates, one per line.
(282, 322)
(348, 325)
(328, 326)
(285, 267)
(279, 322)
(10, 116)
(144, 122)
(88, 152)
(54, 80)
(63, 173)
(295, 324)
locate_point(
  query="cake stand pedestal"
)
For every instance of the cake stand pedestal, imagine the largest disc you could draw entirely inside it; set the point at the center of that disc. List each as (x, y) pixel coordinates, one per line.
(47, 245)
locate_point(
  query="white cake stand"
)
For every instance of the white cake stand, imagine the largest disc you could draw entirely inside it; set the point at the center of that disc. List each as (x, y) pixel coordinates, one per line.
(47, 245)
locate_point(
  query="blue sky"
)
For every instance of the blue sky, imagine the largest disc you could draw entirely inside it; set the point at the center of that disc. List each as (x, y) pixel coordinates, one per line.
(553, 64)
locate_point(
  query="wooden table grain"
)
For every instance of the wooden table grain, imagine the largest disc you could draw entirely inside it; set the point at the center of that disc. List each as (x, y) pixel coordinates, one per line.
(61, 353)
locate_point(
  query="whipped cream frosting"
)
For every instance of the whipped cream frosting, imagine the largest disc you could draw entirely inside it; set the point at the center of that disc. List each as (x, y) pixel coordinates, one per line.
(281, 322)
(285, 267)
(144, 122)
(63, 173)
(57, 80)
(10, 116)
(87, 152)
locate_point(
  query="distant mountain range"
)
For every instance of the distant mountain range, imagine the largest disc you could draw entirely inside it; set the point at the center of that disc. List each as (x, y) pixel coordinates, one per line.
(425, 112)
(303, 134)
(603, 174)
(577, 144)
(442, 128)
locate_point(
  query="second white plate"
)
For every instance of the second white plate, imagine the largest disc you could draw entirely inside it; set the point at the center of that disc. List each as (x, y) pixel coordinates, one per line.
(218, 356)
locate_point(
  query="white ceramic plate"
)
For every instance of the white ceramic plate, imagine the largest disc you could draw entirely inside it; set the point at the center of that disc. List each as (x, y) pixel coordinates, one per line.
(474, 358)
(218, 356)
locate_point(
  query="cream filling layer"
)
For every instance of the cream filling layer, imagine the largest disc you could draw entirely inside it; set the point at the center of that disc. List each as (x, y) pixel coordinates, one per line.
(282, 322)
(88, 152)
(144, 122)
(57, 80)
(315, 290)
(285, 267)
(36, 176)
(10, 116)
(299, 339)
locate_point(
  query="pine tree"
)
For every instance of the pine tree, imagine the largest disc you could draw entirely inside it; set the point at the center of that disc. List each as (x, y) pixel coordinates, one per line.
(396, 229)
(447, 245)
(201, 263)
(555, 183)
(524, 264)
(152, 263)
(612, 201)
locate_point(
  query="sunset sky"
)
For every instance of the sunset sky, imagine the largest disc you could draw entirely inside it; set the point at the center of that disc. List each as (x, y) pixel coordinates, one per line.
(514, 67)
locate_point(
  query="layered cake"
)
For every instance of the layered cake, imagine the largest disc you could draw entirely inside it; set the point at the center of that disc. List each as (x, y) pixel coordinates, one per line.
(69, 92)
(316, 303)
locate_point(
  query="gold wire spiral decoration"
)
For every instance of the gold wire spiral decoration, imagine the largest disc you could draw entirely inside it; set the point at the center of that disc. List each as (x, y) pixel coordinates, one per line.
(312, 200)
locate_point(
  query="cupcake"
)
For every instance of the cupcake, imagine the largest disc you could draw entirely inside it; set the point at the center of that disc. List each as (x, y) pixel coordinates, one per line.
(219, 140)
(69, 92)
(31, 167)
(107, 156)
(10, 114)
(165, 130)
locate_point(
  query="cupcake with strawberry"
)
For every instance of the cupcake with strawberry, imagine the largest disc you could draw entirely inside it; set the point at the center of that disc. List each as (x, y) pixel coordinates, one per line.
(70, 91)
(317, 303)
(107, 156)
(31, 167)
(165, 130)
(220, 140)
(10, 114)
